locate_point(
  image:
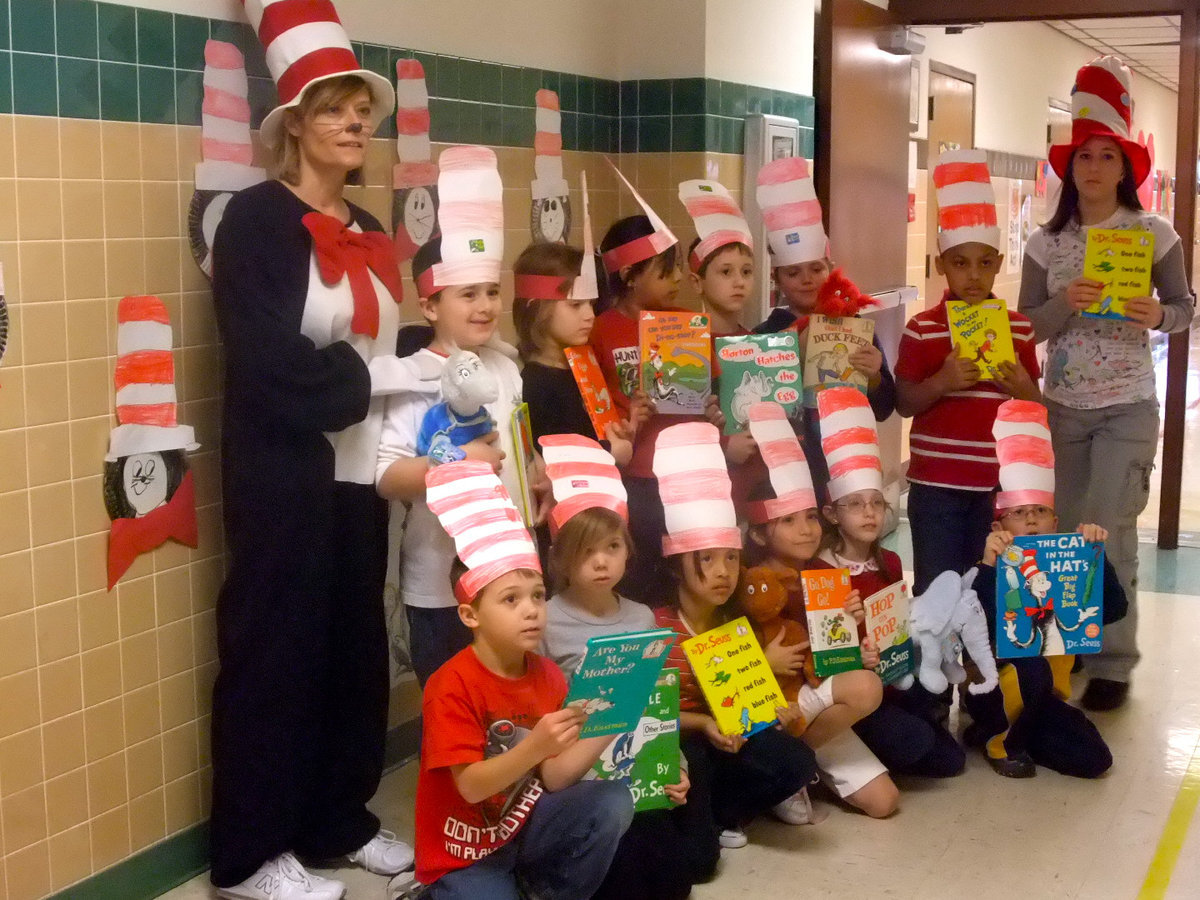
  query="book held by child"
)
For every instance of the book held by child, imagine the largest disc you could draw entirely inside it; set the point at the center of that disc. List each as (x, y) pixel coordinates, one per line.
(757, 368)
(831, 630)
(738, 683)
(616, 677)
(522, 438)
(647, 758)
(1121, 258)
(676, 361)
(592, 387)
(983, 334)
(831, 341)
(887, 627)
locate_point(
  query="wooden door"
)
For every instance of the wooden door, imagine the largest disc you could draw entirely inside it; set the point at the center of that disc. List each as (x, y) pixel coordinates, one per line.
(951, 125)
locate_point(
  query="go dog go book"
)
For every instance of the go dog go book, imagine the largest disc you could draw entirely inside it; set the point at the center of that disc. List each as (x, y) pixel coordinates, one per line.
(740, 687)
(676, 361)
(1121, 258)
(615, 678)
(756, 368)
(887, 627)
(646, 759)
(983, 334)
(832, 632)
(828, 347)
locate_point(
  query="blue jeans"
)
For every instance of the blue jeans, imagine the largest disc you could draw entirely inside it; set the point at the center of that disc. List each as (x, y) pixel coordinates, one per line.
(949, 528)
(562, 853)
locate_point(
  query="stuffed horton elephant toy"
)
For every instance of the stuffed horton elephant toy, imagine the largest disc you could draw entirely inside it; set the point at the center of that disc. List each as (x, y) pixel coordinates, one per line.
(943, 619)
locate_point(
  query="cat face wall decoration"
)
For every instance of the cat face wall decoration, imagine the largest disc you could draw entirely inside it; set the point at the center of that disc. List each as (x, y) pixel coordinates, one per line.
(550, 213)
(414, 177)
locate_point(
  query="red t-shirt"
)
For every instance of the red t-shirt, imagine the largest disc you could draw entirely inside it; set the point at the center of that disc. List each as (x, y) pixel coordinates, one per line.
(951, 443)
(469, 713)
(691, 698)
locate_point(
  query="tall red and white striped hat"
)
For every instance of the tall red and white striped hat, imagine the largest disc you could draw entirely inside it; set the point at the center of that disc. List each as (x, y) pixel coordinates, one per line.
(791, 212)
(416, 167)
(471, 215)
(965, 199)
(633, 252)
(145, 383)
(548, 178)
(787, 466)
(1102, 106)
(693, 483)
(305, 43)
(718, 220)
(227, 155)
(582, 475)
(489, 533)
(550, 287)
(1029, 566)
(849, 441)
(1025, 453)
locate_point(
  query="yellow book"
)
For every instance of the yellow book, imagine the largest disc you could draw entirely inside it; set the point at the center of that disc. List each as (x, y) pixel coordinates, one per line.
(982, 333)
(1122, 259)
(738, 683)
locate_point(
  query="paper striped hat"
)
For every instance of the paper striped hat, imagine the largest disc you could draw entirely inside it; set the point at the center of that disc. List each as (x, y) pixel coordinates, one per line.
(582, 475)
(489, 533)
(787, 466)
(416, 167)
(633, 252)
(1025, 453)
(304, 43)
(225, 148)
(718, 220)
(1102, 106)
(965, 199)
(849, 441)
(693, 483)
(471, 215)
(145, 383)
(791, 212)
(550, 287)
(548, 178)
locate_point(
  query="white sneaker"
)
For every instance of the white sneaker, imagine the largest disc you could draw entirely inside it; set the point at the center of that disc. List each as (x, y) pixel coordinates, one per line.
(383, 854)
(796, 809)
(283, 878)
(733, 838)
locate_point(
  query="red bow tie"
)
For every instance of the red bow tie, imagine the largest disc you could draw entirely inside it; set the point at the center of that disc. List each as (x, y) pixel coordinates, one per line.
(129, 538)
(342, 252)
(1040, 613)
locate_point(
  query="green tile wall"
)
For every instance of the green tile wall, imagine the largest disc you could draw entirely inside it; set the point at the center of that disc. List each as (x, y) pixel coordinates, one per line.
(83, 59)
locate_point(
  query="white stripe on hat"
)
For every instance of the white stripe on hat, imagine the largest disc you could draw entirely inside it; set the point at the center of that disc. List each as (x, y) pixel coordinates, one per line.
(142, 335)
(231, 81)
(411, 93)
(222, 175)
(688, 462)
(546, 119)
(300, 40)
(787, 468)
(796, 191)
(471, 216)
(788, 201)
(1003, 428)
(960, 192)
(225, 130)
(1096, 108)
(583, 475)
(145, 394)
(413, 146)
(1025, 452)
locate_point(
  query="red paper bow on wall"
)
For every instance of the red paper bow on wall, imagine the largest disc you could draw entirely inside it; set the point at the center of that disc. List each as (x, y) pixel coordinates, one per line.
(129, 538)
(342, 252)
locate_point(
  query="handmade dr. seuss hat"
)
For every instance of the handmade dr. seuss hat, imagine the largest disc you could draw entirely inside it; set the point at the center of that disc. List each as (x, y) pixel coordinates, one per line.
(1101, 106)
(471, 214)
(416, 167)
(693, 483)
(582, 475)
(304, 43)
(787, 466)
(551, 287)
(225, 145)
(489, 533)
(548, 178)
(791, 212)
(145, 383)
(633, 252)
(1026, 456)
(965, 200)
(718, 220)
(849, 441)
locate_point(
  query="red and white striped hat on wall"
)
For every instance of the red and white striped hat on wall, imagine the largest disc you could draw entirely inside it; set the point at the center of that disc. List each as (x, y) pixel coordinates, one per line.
(693, 483)
(849, 441)
(718, 220)
(791, 212)
(965, 199)
(226, 151)
(305, 43)
(489, 533)
(787, 466)
(582, 475)
(548, 178)
(145, 383)
(644, 247)
(471, 215)
(1025, 453)
(416, 167)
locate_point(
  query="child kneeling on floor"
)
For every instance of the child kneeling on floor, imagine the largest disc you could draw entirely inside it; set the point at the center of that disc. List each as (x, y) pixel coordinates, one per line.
(501, 811)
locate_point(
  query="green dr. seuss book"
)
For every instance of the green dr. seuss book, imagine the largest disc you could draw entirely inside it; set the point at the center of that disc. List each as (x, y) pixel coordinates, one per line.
(647, 758)
(756, 368)
(831, 630)
(616, 676)
(830, 342)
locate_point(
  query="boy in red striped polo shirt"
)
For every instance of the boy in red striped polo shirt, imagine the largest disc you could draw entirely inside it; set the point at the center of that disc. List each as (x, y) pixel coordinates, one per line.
(953, 469)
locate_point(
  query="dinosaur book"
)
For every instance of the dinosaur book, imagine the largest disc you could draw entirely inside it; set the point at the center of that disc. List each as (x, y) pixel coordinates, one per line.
(738, 683)
(832, 631)
(982, 333)
(888, 629)
(754, 368)
(676, 361)
(827, 350)
(1049, 596)
(592, 387)
(616, 677)
(647, 758)
(1120, 258)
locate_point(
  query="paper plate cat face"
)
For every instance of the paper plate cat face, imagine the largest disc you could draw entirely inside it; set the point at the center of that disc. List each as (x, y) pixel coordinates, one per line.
(204, 215)
(140, 483)
(550, 219)
(415, 210)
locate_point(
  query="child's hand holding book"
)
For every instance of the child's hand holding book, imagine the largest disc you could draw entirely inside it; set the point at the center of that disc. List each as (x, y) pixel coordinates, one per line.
(557, 731)
(677, 793)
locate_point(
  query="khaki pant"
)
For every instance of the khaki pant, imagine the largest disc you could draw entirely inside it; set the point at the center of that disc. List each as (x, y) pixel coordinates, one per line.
(1102, 464)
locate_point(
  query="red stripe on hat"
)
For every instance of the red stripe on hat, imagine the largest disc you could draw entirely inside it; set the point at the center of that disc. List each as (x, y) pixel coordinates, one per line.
(226, 151)
(287, 14)
(711, 205)
(542, 287)
(466, 468)
(546, 99)
(1025, 448)
(782, 171)
(547, 143)
(222, 55)
(792, 215)
(566, 510)
(688, 434)
(956, 172)
(321, 63)
(845, 436)
(838, 399)
(1022, 411)
(567, 440)
(142, 309)
(581, 469)
(782, 452)
(414, 174)
(517, 533)
(1104, 84)
(477, 579)
(414, 120)
(225, 105)
(144, 367)
(966, 215)
(162, 414)
(409, 69)
(702, 484)
(854, 464)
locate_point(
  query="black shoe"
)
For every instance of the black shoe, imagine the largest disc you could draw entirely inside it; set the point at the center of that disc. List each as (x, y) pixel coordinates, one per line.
(1077, 666)
(973, 735)
(1103, 694)
(1019, 766)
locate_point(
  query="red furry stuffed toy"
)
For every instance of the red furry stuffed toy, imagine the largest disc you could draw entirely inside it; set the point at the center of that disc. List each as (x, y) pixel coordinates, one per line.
(840, 297)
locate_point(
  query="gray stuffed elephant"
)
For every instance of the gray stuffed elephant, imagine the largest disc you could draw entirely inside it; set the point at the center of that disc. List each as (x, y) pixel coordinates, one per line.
(945, 615)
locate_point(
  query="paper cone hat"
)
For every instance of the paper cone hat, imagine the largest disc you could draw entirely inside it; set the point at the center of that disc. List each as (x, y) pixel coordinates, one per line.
(965, 199)
(693, 483)
(582, 475)
(717, 218)
(787, 466)
(849, 441)
(644, 247)
(551, 287)
(791, 212)
(225, 148)
(1026, 456)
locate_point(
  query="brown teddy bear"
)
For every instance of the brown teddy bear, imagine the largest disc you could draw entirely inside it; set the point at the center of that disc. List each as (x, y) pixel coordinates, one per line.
(763, 593)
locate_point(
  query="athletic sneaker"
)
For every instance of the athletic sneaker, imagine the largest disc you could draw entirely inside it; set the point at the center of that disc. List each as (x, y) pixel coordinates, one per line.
(733, 838)
(283, 878)
(796, 809)
(383, 854)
